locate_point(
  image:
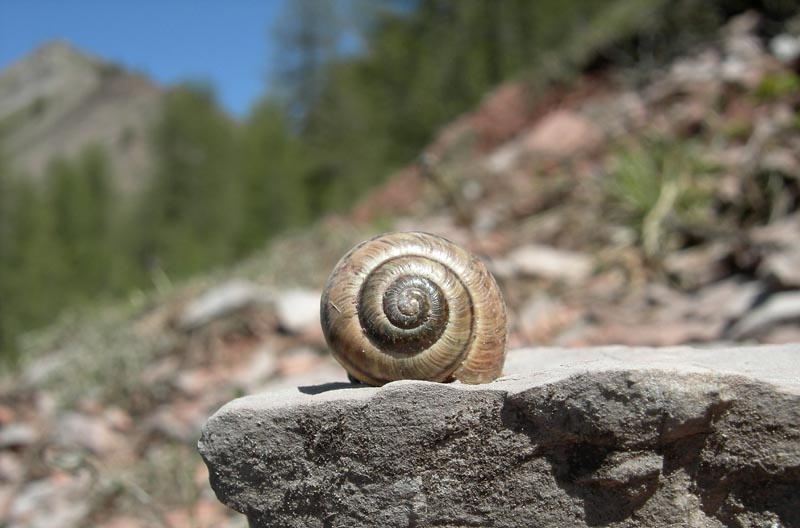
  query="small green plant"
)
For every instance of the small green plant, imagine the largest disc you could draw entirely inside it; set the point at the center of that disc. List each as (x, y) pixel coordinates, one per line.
(658, 187)
(778, 85)
(738, 129)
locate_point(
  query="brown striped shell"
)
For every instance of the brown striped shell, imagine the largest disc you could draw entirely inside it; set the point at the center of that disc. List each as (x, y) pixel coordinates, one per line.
(414, 306)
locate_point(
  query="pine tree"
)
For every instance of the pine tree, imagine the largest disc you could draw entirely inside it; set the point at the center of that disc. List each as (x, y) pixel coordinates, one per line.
(81, 199)
(32, 270)
(7, 330)
(272, 165)
(307, 39)
(189, 215)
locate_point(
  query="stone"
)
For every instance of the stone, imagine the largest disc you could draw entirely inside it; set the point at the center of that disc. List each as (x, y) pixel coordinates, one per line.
(123, 521)
(93, 434)
(202, 514)
(744, 61)
(780, 234)
(562, 134)
(399, 196)
(725, 300)
(503, 158)
(781, 160)
(59, 500)
(298, 310)
(502, 114)
(180, 421)
(195, 382)
(541, 318)
(776, 243)
(783, 267)
(655, 333)
(782, 334)
(326, 370)
(558, 136)
(298, 360)
(698, 266)
(18, 434)
(785, 47)
(609, 436)
(619, 112)
(702, 69)
(12, 468)
(777, 309)
(222, 301)
(261, 366)
(545, 262)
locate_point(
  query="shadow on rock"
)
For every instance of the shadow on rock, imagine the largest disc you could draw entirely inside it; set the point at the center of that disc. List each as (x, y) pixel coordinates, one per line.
(326, 387)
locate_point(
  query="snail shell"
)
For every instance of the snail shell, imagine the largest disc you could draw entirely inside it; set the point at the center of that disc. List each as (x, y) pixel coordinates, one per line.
(414, 306)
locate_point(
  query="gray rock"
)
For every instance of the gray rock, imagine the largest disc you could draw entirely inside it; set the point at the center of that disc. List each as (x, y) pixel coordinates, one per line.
(571, 437)
(783, 267)
(298, 310)
(55, 501)
(222, 301)
(785, 47)
(94, 434)
(544, 262)
(777, 309)
(18, 435)
(698, 266)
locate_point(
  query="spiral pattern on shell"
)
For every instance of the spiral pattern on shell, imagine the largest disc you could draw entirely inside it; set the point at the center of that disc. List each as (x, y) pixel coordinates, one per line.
(414, 306)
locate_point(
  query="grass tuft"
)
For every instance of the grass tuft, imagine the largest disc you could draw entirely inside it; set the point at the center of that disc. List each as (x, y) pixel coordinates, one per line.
(659, 187)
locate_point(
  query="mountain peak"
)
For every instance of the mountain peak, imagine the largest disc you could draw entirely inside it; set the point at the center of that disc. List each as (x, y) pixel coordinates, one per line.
(54, 57)
(59, 99)
(61, 49)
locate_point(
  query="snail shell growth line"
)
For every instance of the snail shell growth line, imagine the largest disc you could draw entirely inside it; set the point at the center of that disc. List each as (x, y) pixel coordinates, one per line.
(414, 306)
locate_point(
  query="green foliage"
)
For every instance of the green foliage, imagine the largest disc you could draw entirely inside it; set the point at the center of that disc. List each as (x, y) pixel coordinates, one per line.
(777, 85)
(8, 200)
(271, 163)
(79, 196)
(57, 244)
(307, 36)
(189, 215)
(31, 268)
(658, 187)
(738, 129)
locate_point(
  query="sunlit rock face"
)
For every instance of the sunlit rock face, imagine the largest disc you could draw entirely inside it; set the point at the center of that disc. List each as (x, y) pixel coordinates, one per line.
(610, 436)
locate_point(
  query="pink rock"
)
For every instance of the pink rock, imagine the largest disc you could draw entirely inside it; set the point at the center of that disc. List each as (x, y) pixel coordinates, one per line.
(562, 134)
(545, 262)
(541, 319)
(12, 468)
(298, 361)
(88, 432)
(59, 500)
(204, 514)
(660, 333)
(123, 522)
(261, 366)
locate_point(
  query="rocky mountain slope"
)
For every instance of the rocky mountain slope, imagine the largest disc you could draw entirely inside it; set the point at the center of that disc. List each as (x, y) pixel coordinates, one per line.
(58, 100)
(649, 209)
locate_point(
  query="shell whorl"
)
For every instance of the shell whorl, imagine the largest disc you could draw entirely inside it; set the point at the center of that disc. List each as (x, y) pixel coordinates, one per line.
(414, 306)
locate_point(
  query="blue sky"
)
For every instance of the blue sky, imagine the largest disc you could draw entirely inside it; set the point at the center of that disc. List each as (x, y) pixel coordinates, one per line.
(222, 42)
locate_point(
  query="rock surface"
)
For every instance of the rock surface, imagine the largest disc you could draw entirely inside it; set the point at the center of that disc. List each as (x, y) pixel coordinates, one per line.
(570, 437)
